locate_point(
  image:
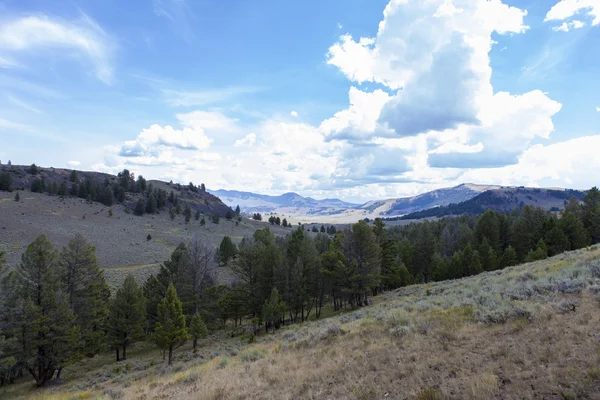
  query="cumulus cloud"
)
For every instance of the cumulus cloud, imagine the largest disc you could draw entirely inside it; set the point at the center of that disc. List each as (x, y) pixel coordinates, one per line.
(567, 26)
(436, 52)
(73, 164)
(294, 114)
(565, 9)
(153, 141)
(598, 109)
(359, 120)
(33, 33)
(246, 141)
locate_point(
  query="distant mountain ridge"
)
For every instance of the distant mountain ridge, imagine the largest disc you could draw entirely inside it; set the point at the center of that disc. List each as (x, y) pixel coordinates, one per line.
(504, 199)
(253, 202)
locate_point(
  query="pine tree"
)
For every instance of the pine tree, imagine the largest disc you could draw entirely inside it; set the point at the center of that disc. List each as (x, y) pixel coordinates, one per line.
(187, 213)
(509, 258)
(151, 204)
(171, 213)
(17, 197)
(227, 250)
(170, 330)
(197, 215)
(87, 291)
(6, 182)
(73, 177)
(273, 310)
(202, 222)
(127, 317)
(49, 339)
(140, 208)
(590, 212)
(62, 189)
(237, 211)
(197, 330)
(108, 198)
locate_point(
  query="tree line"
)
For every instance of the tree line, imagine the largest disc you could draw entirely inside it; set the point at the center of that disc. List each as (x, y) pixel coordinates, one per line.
(55, 307)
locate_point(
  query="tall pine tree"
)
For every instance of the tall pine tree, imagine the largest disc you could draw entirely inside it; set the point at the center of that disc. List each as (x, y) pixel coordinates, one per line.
(170, 330)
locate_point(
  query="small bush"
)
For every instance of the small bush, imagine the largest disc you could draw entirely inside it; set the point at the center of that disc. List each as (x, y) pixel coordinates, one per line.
(223, 362)
(113, 393)
(429, 394)
(252, 355)
(192, 377)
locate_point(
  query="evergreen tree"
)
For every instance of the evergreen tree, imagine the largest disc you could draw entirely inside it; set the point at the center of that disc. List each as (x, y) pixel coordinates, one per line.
(140, 208)
(509, 257)
(171, 213)
(202, 222)
(108, 198)
(6, 182)
(49, 339)
(17, 196)
(170, 330)
(540, 253)
(127, 317)
(120, 194)
(590, 212)
(227, 250)
(284, 223)
(197, 215)
(237, 211)
(229, 214)
(73, 177)
(87, 292)
(197, 330)
(62, 189)
(576, 233)
(487, 255)
(273, 310)
(151, 204)
(187, 213)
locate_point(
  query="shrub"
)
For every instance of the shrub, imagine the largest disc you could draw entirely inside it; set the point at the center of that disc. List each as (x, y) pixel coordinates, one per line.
(429, 394)
(223, 362)
(252, 355)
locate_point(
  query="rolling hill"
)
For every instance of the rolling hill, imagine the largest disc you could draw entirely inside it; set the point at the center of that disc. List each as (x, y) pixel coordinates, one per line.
(504, 199)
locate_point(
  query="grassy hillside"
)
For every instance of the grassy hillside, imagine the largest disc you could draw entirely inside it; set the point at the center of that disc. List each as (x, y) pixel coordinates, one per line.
(525, 332)
(120, 239)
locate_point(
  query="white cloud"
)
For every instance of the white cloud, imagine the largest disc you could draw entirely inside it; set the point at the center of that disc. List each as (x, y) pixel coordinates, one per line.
(567, 26)
(436, 52)
(294, 114)
(246, 141)
(155, 140)
(558, 164)
(598, 109)
(73, 164)
(32, 33)
(359, 120)
(565, 9)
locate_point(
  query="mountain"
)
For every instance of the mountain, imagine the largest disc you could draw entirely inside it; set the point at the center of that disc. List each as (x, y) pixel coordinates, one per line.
(307, 209)
(261, 203)
(503, 199)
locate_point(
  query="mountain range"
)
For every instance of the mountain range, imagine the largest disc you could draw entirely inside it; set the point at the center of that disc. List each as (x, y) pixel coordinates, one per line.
(465, 197)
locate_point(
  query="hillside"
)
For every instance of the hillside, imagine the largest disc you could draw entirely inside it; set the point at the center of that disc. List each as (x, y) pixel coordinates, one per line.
(525, 332)
(121, 239)
(503, 199)
(23, 178)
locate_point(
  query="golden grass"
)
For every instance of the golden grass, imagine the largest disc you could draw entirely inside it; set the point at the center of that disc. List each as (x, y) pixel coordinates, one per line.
(396, 349)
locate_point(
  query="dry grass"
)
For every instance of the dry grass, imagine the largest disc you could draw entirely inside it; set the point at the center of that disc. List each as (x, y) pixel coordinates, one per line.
(497, 335)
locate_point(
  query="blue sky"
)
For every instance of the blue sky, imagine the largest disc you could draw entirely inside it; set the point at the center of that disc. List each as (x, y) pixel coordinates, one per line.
(352, 99)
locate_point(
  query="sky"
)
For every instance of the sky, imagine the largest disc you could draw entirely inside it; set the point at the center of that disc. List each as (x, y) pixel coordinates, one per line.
(354, 99)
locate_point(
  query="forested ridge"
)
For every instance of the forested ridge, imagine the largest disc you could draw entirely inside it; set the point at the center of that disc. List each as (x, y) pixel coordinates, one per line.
(55, 307)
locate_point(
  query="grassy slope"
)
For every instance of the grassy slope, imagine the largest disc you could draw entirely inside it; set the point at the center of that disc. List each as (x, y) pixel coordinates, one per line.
(530, 331)
(120, 240)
